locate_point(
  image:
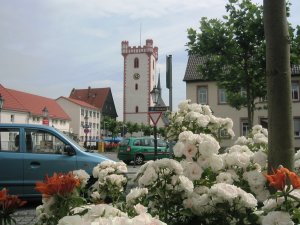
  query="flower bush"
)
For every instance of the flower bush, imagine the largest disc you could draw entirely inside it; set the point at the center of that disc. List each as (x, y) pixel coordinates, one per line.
(111, 182)
(8, 205)
(202, 185)
(60, 194)
(108, 215)
(197, 119)
(165, 188)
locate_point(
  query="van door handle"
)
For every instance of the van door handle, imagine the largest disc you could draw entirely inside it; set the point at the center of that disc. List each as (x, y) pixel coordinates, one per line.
(35, 164)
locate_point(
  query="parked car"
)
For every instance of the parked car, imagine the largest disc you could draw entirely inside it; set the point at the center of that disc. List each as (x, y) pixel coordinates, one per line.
(29, 152)
(139, 149)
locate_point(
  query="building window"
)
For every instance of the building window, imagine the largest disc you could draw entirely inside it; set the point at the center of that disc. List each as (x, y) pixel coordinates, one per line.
(82, 112)
(97, 115)
(244, 127)
(202, 95)
(264, 122)
(136, 86)
(12, 118)
(136, 109)
(91, 113)
(136, 63)
(222, 96)
(94, 114)
(295, 91)
(297, 127)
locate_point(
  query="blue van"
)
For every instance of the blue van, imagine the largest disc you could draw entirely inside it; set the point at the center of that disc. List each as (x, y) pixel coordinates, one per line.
(28, 152)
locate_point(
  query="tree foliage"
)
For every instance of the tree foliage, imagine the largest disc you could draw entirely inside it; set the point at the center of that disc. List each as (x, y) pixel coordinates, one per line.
(234, 51)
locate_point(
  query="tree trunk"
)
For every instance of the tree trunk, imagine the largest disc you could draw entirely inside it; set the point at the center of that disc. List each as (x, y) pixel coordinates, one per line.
(281, 150)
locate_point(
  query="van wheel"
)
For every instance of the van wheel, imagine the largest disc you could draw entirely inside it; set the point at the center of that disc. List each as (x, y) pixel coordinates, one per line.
(139, 159)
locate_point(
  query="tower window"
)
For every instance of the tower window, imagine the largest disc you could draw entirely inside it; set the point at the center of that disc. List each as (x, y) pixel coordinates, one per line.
(136, 86)
(136, 63)
(136, 109)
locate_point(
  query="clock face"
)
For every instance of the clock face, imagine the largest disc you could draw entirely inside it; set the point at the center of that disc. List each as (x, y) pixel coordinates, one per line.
(136, 76)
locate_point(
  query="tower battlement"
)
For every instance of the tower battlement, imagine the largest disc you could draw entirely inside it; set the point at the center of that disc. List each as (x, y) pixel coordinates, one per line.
(148, 48)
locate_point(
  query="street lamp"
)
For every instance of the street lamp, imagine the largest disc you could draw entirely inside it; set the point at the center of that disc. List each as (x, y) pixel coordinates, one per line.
(154, 95)
(1, 105)
(86, 129)
(45, 116)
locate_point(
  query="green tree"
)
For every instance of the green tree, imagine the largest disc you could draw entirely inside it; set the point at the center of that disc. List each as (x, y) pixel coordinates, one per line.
(235, 53)
(281, 150)
(146, 129)
(132, 127)
(111, 125)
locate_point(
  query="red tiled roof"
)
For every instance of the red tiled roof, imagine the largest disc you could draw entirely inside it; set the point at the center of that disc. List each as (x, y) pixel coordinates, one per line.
(81, 103)
(93, 96)
(10, 102)
(34, 104)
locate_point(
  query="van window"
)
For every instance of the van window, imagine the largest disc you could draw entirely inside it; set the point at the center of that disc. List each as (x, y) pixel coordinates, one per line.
(147, 142)
(124, 142)
(161, 143)
(137, 142)
(9, 139)
(39, 141)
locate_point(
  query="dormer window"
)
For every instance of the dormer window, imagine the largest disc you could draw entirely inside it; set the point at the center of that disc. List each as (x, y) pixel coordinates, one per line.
(136, 63)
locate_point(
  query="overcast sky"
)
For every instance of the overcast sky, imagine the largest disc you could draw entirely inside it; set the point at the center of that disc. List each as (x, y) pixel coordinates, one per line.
(48, 47)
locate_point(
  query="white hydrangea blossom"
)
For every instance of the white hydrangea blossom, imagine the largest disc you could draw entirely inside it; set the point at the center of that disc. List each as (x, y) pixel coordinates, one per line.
(240, 159)
(140, 209)
(222, 192)
(198, 203)
(148, 177)
(297, 161)
(108, 215)
(254, 178)
(197, 117)
(215, 162)
(277, 218)
(109, 167)
(185, 184)
(83, 176)
(116, 179)
(224, 177)
(207, 145)
(261, 158)
(135, 194)
(191, 169)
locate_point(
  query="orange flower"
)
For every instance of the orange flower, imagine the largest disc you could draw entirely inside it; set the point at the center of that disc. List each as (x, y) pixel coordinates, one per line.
(295, 180)
(3, 194)
(278, 179)
(9, 203)
(61, 184)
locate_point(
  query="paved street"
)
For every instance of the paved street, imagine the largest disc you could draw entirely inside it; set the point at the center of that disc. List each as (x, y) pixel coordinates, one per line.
(26, 215)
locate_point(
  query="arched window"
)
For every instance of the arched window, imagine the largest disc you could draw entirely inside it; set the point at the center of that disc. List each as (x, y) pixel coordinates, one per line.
(136, 63)
(136, 86)
(136, 109)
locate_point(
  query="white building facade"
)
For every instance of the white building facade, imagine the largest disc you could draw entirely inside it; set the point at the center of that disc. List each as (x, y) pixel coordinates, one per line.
(81, 113)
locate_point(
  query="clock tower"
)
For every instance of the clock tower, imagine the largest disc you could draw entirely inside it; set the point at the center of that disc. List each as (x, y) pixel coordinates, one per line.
(139, 79)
